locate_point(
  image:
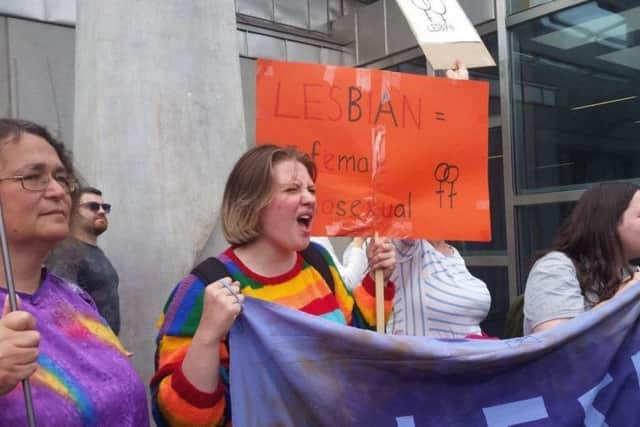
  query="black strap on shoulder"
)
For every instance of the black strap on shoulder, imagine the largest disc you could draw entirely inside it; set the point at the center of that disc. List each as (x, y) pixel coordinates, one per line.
(315, 258)
(210, 270)
(515, 318)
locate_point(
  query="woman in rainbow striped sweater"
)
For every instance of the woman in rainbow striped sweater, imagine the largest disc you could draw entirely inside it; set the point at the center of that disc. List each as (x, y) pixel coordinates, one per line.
(268, 207)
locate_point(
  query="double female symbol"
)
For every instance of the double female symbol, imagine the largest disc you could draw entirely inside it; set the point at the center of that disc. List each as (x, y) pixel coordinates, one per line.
(446, 174)
(432, 8)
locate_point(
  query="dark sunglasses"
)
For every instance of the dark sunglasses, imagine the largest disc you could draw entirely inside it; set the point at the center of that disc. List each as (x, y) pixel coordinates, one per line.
(95, 206)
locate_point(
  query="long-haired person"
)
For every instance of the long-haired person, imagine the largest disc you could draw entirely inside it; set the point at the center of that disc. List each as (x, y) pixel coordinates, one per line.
(268, 207)
(590, 260)
(79, 372)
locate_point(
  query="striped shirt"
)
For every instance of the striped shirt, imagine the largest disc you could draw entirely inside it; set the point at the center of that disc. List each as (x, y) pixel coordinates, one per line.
(436, 295)
(175, 401)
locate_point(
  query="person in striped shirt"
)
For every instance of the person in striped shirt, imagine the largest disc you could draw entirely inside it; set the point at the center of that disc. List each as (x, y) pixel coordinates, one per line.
(436, 295)
(267, 211)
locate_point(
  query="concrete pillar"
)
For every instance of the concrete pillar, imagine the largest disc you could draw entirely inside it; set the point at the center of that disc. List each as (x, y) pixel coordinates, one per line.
(158, 125)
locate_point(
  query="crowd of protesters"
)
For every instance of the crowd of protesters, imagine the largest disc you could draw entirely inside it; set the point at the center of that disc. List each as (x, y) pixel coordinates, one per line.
(79, 372)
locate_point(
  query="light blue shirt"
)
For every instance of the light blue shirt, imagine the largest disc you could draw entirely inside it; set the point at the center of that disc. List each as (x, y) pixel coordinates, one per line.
(436, 295)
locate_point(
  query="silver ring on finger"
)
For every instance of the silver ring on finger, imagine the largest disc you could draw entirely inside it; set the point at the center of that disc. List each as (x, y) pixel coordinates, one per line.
(230, 292)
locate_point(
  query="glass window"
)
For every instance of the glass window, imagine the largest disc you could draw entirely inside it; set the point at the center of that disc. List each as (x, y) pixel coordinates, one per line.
(518, 5)
(490, 74)
(537, 227)
(414, 66)
(497, 281)
(576, 96)
(498, 243)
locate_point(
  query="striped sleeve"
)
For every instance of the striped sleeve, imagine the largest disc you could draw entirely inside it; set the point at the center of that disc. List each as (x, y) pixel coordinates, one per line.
(359, 305)
(175, 401)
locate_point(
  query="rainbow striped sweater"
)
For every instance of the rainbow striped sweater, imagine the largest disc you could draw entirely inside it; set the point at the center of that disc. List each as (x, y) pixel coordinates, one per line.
(175, 401)
(84, 377)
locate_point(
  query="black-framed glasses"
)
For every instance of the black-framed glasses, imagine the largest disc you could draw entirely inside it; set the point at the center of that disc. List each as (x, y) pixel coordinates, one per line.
(40, 181)
(95, 206)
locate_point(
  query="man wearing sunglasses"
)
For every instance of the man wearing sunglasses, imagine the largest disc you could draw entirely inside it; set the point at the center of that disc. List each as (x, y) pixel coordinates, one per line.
(79, 259)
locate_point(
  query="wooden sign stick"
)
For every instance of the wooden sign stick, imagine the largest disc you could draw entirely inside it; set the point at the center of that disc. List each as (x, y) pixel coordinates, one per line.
(378, 151)
(379, 298)
(13, 304)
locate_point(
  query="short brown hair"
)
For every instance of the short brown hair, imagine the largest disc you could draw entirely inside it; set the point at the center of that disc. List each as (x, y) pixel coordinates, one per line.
(249, 187)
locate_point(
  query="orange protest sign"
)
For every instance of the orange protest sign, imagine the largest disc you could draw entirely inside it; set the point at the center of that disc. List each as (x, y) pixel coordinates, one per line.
(403, 155)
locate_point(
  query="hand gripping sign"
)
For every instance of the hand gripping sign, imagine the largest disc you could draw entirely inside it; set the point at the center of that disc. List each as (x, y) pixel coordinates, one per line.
(403, 155)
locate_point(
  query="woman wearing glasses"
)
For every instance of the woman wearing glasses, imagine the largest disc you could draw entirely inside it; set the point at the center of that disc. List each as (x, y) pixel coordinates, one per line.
(267, 210)
(78, 370)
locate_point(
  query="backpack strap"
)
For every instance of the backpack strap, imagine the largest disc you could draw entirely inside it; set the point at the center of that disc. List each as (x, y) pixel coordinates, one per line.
(513, 324)
(314, 257)
(210, 270)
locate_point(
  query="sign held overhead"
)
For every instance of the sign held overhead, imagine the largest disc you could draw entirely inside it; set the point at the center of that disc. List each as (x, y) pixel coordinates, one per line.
(445, 33)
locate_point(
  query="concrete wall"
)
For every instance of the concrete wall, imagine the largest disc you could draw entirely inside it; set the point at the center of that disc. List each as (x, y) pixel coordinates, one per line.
(36, 74)
(159, 123)
(306, 14)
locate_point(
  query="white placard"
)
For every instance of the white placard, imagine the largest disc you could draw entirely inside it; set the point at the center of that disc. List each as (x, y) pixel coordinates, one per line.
(445, 33)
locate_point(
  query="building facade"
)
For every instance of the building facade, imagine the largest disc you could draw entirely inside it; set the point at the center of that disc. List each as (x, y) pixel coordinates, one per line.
(564, 101)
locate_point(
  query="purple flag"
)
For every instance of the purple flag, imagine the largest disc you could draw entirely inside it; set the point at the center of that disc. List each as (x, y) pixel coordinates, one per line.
(293, 369)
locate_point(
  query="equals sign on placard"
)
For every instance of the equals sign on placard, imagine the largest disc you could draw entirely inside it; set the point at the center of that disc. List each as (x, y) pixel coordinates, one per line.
(440, 116)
